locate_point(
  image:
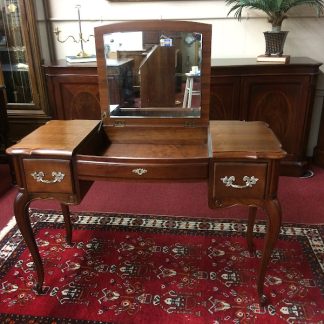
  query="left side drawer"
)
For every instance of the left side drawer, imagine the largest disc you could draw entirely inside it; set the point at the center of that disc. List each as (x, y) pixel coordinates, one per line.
(48, 175)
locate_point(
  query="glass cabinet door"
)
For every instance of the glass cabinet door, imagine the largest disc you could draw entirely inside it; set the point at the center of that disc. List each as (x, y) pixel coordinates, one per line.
(20, 57)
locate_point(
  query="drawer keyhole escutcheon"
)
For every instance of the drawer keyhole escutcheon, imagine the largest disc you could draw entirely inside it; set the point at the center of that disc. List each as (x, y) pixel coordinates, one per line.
(139, 171)
(249, 182)
(39, 177)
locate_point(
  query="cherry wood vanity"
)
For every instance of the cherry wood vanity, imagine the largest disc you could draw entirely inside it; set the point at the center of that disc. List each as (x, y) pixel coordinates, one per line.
(239, 160)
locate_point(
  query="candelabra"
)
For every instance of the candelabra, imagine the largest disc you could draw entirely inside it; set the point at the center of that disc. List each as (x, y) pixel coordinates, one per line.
(80, 40)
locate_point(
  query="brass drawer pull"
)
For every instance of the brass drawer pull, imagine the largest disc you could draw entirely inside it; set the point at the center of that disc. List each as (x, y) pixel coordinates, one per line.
(39, 176)
(139, 171)
(249, 182)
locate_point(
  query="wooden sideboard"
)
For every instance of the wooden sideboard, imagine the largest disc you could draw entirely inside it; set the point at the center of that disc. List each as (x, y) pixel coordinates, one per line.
(73, 90)
(241, 89)
(280, 94)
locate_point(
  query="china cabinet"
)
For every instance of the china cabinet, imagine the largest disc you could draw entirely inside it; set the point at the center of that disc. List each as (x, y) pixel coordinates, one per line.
(21, 67)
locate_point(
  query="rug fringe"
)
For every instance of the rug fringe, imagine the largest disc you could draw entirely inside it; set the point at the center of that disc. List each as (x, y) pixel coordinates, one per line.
(8, 227)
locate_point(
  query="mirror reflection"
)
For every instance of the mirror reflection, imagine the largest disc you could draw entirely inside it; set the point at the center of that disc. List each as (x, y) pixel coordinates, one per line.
(154, 73)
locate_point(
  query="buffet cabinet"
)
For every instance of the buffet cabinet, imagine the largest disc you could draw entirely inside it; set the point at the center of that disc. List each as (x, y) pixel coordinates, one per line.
(281, 95)
(73, 90)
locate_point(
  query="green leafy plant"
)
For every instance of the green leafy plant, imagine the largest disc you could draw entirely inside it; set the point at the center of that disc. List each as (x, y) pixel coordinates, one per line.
(276, 10)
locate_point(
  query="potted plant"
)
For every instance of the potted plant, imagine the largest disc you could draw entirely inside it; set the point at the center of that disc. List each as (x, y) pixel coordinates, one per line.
(276, 10)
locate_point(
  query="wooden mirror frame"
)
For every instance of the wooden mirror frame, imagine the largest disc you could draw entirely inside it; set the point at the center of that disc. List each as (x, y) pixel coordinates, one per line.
(155, 25)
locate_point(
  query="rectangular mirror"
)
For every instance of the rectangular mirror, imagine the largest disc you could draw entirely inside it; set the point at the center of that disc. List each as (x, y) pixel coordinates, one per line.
(152, 71)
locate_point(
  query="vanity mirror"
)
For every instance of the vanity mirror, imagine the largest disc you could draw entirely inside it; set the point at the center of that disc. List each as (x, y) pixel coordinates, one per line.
(154, 69)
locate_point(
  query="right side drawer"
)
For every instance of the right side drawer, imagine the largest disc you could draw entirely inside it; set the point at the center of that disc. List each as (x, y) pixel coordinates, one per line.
(238, 180)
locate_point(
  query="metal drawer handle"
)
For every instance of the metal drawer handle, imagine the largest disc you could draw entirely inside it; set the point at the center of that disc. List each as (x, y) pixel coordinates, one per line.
(39, 176)
(139, 171)
(249, 182)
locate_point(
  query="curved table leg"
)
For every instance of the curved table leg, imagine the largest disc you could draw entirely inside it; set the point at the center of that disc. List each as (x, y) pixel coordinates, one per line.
(273, 210)
(23, 221)
(67, 221)
(249, 232)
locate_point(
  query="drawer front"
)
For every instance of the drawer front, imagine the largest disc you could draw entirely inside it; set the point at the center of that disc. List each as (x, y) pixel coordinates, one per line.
(48, 175)
(142, 171)
(238, 180)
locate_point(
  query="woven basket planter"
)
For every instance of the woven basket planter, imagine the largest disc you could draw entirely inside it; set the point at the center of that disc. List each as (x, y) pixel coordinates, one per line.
(275, 42)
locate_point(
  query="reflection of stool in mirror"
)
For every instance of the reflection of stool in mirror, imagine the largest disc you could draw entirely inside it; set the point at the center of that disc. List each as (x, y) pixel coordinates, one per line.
(189, 91)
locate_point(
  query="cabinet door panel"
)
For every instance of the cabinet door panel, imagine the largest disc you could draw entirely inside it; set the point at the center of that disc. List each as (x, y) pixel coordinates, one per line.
(282, 103)
(224, 98)
(76, 97)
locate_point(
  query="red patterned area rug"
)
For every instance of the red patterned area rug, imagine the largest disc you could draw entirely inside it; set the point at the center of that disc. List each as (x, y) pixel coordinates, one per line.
(152, 269)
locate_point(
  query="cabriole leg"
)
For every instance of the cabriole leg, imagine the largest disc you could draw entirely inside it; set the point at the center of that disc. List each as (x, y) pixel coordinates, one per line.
(273, 210)
(23, 221)
(249, 232)
(67, 221)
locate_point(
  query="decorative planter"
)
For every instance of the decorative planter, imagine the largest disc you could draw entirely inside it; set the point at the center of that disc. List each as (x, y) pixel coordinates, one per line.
(275, 42)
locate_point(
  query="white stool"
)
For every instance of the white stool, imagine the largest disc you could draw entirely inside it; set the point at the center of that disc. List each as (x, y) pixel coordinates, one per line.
(189, 92)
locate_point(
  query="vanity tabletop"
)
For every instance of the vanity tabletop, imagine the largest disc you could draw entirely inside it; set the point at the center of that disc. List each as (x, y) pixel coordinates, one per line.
(240, 139)
(236, 139)
(60, 137)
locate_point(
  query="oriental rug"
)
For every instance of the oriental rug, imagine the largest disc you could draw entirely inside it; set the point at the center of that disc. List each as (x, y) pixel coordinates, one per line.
(137, 269)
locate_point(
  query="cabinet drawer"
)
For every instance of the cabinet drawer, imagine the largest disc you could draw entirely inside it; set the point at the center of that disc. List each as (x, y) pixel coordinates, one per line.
(48, 175)
(238, 180)
(162, 171)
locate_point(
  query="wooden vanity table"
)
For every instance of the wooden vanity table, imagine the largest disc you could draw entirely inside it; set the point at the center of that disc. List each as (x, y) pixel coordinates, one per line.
(239, 160)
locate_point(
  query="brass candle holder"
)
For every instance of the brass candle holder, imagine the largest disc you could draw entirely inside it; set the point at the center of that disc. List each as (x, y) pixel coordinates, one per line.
(80, 39)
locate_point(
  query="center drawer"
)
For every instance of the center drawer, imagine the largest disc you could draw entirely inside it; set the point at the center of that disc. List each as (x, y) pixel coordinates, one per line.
(149, 171)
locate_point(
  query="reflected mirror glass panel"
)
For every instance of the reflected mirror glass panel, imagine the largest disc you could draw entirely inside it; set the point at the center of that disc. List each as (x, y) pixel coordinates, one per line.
(154, 74)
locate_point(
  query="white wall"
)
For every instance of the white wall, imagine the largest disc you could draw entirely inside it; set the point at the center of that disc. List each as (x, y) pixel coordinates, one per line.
(230, 38)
